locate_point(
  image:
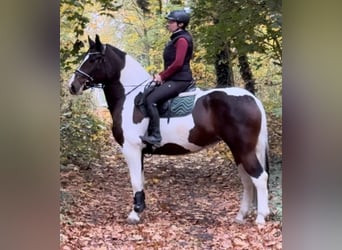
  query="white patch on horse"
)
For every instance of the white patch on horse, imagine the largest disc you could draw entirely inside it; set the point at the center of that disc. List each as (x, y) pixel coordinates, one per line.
(262, 144)
(262, 196)
(130, 79)
(247, 195)
(72, 79)
(132, 155)
(238, 92)
(177, 131)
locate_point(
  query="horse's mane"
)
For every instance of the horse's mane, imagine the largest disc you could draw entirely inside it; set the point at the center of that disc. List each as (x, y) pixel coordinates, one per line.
(117, 51)
(138, 68)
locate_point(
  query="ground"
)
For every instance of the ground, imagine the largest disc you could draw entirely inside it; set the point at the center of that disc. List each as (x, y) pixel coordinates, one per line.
(191, 200)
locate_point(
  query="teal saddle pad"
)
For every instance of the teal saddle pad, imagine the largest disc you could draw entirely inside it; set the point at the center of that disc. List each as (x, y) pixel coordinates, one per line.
(175, 107)
(179, 106)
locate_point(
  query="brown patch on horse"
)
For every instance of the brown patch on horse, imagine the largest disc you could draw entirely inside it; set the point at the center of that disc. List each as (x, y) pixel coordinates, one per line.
(234, 119)
(204, 131)
(115, 97)
(138, 116)
(171, 149)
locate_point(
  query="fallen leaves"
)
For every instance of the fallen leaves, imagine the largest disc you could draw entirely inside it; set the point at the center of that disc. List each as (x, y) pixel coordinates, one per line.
(191, 203)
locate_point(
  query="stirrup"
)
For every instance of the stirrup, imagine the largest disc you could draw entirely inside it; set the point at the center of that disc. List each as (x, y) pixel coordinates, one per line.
(150, 140)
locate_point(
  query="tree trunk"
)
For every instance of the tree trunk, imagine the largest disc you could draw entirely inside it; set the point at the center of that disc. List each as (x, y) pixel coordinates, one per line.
(147, 48)
(246, 73)
(224, 72)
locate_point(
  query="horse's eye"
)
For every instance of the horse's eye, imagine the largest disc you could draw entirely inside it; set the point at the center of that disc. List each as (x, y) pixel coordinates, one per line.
(92, 59)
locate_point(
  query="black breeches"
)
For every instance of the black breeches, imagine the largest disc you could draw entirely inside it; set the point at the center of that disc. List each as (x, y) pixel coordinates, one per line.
(166, 91)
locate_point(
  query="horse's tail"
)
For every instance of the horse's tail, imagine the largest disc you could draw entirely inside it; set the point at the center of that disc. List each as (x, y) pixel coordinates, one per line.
(267, 167)
(262, 147)
(267, 162)
(263, 140)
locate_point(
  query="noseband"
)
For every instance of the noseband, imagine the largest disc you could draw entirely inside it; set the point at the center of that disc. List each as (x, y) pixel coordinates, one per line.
(84, 74)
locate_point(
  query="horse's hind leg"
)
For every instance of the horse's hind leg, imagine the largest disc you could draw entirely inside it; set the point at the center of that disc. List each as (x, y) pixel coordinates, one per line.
(247, 196)
(259, 178)
(262, 197)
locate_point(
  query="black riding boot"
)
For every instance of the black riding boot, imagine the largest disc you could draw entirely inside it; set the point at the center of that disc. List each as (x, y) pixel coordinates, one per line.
(153, 136)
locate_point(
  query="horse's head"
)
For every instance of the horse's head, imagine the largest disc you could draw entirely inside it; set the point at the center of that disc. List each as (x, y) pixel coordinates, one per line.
(92, 70)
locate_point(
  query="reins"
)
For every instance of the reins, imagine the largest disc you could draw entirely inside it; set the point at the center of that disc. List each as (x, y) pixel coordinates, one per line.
(137, 86)
(101, 86)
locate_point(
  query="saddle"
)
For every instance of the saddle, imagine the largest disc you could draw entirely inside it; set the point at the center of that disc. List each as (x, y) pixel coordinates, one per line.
(179, 106)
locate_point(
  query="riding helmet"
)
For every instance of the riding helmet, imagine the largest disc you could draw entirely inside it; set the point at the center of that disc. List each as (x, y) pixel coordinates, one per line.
(180, 16)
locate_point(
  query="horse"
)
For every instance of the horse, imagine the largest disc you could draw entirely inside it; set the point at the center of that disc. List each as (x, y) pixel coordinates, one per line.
(232, 115)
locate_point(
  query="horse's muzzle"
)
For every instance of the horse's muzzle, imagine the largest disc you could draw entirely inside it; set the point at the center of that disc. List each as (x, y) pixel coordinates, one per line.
(72, 90)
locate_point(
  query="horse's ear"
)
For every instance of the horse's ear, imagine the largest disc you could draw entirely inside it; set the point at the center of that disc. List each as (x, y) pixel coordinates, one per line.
(91, 42)
(97, 39)
(99, 45)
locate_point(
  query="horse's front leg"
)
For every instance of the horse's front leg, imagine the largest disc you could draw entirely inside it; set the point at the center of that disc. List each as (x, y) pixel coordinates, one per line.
(134, 159)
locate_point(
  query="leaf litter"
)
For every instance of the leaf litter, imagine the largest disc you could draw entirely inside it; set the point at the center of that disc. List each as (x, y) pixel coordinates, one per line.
(192, 201)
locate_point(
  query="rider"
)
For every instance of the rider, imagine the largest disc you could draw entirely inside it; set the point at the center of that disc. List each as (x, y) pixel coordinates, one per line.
(176, 76)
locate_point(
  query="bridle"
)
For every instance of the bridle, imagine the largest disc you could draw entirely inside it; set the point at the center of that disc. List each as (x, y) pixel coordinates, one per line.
(90, 80)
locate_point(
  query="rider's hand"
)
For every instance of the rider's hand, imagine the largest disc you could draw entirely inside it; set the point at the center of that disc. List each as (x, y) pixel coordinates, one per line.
(157, 79)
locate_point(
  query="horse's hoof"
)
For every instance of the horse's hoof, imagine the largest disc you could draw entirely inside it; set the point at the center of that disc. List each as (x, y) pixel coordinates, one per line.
(260, 220)
(133, 218)
(239, 220)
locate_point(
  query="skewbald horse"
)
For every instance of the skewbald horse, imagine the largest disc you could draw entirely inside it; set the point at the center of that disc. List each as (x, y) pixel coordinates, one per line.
(233, 115)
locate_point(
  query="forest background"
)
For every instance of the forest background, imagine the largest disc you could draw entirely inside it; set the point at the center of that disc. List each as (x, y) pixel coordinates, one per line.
(237, 43)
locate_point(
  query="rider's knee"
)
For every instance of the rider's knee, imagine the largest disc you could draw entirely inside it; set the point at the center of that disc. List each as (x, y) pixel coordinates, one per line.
(150, 103)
